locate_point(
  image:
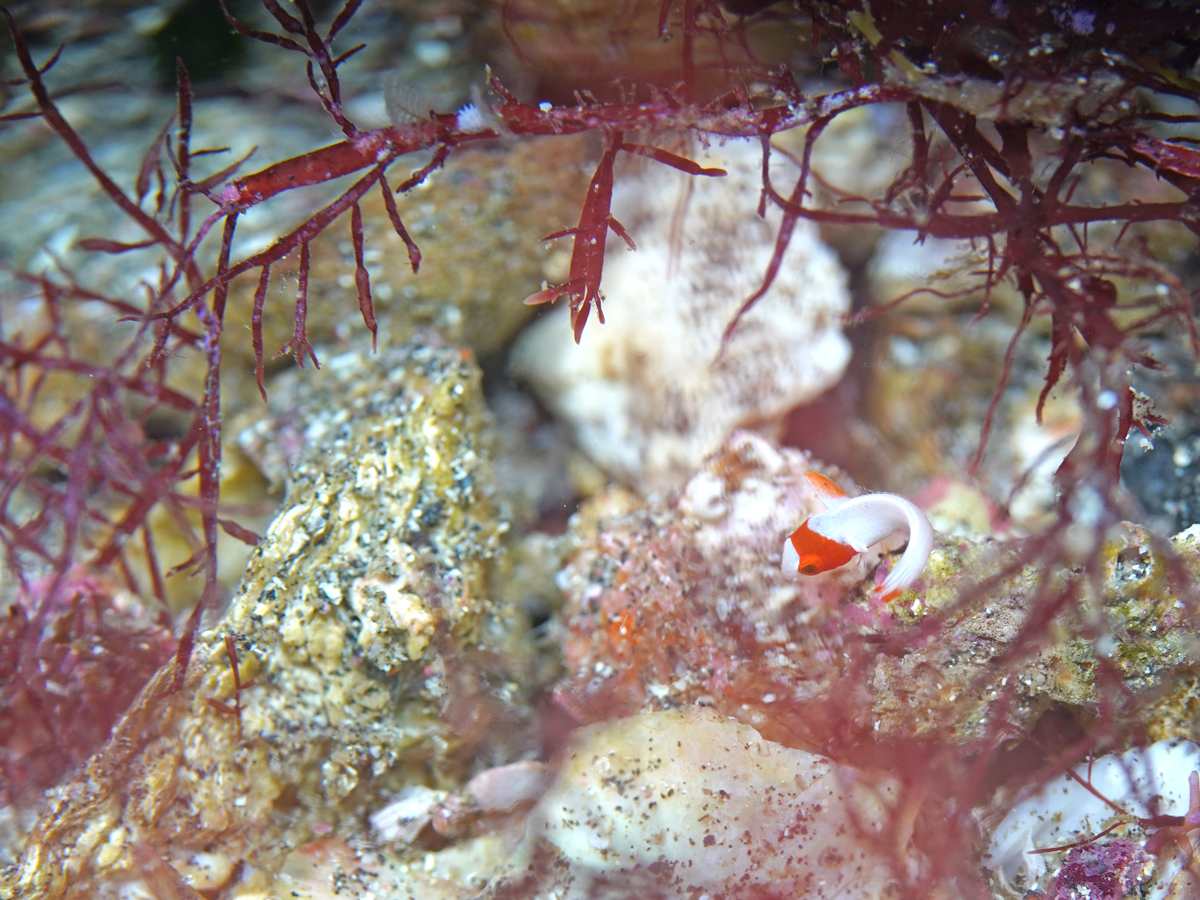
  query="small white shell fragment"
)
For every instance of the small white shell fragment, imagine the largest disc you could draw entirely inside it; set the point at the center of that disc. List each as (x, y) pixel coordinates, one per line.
(208, 871)
(503, 788)
(411, 810)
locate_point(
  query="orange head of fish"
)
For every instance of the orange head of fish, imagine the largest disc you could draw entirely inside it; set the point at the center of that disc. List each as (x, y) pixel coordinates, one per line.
(816, 553)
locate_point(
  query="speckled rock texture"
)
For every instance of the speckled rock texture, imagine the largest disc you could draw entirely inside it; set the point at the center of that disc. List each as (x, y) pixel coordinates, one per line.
(682, 804)
(370, 649)
(645, 392)
(681, 602)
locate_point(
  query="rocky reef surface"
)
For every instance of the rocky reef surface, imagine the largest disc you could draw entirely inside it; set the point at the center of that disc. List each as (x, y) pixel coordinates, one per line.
(682, 603)
(366, 650)
(382, 675)
(489, 650)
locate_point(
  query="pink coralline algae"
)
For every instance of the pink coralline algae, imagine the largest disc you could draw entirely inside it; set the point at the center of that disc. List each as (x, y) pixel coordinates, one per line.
(1102, 872)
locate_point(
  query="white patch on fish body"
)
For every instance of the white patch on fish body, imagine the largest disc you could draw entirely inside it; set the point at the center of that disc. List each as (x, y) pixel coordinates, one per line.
(859, 522)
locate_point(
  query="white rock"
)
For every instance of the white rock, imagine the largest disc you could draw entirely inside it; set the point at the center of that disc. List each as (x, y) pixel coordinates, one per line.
(1064, 811)
(683, 804)
(641, 391)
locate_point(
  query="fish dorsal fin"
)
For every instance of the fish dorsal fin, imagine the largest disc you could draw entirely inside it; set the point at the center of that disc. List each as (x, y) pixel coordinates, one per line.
(827, 492)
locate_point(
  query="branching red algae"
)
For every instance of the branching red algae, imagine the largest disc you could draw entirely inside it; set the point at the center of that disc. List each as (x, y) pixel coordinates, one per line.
(1006, 115)
(1027, 209)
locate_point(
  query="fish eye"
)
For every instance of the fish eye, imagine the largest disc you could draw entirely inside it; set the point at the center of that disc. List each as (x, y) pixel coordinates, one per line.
(810, 569)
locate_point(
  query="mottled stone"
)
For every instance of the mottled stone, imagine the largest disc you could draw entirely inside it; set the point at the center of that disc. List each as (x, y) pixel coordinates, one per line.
(555, 48)
(1045, 102)
(368, 626)
(680, 804)
(932, 381)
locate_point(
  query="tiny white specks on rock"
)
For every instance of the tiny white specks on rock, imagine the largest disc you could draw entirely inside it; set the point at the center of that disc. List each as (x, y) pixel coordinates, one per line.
(640, 800)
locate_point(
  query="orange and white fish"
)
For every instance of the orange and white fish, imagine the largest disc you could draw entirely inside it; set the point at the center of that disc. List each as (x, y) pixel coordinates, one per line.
(849, 525)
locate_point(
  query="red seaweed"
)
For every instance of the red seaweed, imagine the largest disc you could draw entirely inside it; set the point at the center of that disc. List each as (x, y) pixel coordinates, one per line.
(62, 534)
(73, 653)
(1000, 134)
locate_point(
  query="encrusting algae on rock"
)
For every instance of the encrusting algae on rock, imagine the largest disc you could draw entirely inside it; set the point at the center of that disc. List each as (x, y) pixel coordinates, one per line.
(378, 661)
(374, 649)
(680, 602)
(371, 653)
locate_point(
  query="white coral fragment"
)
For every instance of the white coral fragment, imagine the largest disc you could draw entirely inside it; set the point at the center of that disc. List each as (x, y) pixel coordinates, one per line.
(411, 810)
